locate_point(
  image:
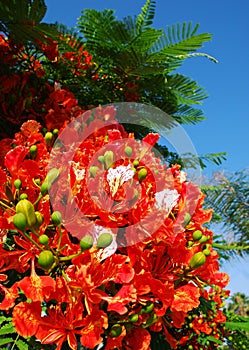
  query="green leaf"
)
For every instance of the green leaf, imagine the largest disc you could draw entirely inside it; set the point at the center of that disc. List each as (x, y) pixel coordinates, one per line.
(4, 341)
(145, 18)
(8, 328)
(21, 345)
(236, 326)
(214, 340)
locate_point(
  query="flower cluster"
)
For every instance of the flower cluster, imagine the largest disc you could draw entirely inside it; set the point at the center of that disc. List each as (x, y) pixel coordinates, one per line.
(25, 92)
(102, 243)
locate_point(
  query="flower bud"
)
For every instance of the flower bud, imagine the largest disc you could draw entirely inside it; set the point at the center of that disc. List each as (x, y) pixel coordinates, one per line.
(23, 196)
(48, 138)
(104, 240)
(33, 151)
(109, 159)
(197, 235)
(147, 309)
(142, 174)
(204, 239)
(187, 219)
(46, 259)
(197, 260)
(86, 242)
(136, 163)
(128, 151)
(26, 207)
(93, 170)
(116, 330)
(20, 221)
(101, 159)
(17, 183)
(43, 239)
(133, 318)
(49, 180)
(39, 218)
(56, 218)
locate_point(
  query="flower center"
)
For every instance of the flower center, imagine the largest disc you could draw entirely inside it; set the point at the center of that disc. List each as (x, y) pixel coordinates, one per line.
(116, 177)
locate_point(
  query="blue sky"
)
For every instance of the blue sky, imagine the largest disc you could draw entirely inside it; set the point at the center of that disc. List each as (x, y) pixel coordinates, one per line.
(227, 83)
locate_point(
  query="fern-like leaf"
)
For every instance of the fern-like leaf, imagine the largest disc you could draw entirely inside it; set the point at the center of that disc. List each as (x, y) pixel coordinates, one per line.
(145, 18)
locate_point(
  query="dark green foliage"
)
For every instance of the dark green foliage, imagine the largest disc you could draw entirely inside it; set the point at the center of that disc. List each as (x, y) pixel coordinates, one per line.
(20, 20)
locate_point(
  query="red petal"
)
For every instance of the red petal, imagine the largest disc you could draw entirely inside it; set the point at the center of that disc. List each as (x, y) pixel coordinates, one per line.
(26, 318)
(14, 158)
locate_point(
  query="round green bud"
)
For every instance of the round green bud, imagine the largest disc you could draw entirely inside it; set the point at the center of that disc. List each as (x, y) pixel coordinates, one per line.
(23, 196)
(26, 207)
(55, 132)
(115, 331)
(197, 235)
(48, 138)
(43, 239)
(197, 260)
(104, 240)
(17, 183)
(93, 170)
(142, 174)
(33, 151)
(128, 151)
(136, 163)
(101, 159)
(46, 259)
(86, 242)
(204, 239)
(20, 221)
(56, 218)
(206, 252)
(133, 318)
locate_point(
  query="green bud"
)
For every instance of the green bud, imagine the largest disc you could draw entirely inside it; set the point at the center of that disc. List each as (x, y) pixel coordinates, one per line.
(204, 239)
(52, 175)
(206, 252)
(43, 239)
(197, 235)
(116, 330)
(23, 196)
(128, 151)
(147, 309)
(33, 151)
(20, 221)
(187, 219)
(197, 260)
(142, 174)
(93, 170)
(86, 242)
(136, 163)
(46, 259)
(17, 183)
(55, 132)
(109, 159)
(39, 218)
(48, 138)
(56, 218)
(26, 207)
(133, 318)
(101, 159)
(104, 240)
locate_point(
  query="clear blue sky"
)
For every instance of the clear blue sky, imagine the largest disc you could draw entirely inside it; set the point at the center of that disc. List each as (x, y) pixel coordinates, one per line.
(227, 125)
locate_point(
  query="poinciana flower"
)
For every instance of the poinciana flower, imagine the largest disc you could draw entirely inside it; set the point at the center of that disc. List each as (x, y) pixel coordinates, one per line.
(152, 275)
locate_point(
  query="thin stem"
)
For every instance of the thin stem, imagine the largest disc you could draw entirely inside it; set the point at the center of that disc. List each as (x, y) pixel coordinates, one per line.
(229, 247)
